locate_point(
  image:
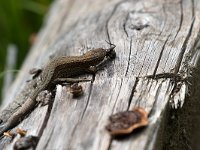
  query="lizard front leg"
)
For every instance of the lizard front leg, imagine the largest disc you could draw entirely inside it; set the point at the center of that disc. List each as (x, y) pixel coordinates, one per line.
(44, 98)
(35, 72)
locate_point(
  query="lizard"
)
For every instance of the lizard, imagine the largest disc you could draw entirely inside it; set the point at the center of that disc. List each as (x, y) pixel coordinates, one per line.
(60, 69)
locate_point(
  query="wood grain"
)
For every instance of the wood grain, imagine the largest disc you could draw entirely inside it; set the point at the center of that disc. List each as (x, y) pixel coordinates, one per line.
(151, 37)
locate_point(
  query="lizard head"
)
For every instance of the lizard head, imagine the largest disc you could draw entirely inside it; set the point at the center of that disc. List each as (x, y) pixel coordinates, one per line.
(110, 52)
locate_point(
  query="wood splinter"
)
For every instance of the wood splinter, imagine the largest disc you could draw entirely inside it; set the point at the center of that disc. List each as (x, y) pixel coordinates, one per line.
(125, 122)
(21, 132)
(9, 134)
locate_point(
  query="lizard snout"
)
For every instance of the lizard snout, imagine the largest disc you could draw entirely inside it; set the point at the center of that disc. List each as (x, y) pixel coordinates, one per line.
(111, 52)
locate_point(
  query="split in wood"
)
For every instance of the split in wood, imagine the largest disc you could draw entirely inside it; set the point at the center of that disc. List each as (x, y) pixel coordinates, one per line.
(123, 123)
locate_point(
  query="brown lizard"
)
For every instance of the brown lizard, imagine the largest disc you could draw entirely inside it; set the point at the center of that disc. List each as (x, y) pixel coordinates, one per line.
(60, 69)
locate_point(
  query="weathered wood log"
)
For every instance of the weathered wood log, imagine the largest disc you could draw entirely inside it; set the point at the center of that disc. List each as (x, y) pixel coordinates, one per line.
(153, 38)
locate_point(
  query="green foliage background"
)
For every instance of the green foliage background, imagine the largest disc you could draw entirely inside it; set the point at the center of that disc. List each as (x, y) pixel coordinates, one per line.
(18, 20)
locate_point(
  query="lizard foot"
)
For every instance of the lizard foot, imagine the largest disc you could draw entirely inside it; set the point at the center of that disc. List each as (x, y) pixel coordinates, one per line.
(35, 72)
(44, 98)
(3, 128)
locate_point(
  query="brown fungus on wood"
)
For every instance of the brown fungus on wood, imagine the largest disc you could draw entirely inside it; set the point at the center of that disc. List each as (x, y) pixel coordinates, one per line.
(21, 132)
(125, 122)
(76, 90)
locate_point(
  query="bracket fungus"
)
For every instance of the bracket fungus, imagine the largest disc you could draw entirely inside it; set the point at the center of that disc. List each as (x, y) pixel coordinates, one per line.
(125, 122)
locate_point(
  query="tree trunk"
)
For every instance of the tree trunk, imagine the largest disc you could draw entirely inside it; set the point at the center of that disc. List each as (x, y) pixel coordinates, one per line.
(157, 38)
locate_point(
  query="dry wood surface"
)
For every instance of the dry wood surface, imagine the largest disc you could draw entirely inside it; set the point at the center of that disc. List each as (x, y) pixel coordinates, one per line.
(151, 37)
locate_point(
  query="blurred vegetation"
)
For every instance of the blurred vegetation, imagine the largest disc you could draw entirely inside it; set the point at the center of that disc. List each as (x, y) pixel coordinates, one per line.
(18, 21)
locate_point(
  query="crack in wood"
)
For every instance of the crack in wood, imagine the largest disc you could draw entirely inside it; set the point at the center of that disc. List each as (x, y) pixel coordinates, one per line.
(180, 24)
(124, 25)
(129, 58)
(46, 118)
(110, 144)
(183, 48)
(117, 96)
(193, 12)
(72, 134)
(181, 18)
(160, 56)
(112, 13)
(132, 93)
(49, 138)
(150, 46)
(137, 55)
(89, 95)
(153, 109)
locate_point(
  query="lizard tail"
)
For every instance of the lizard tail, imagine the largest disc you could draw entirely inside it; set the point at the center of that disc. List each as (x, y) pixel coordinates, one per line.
(17, 116)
